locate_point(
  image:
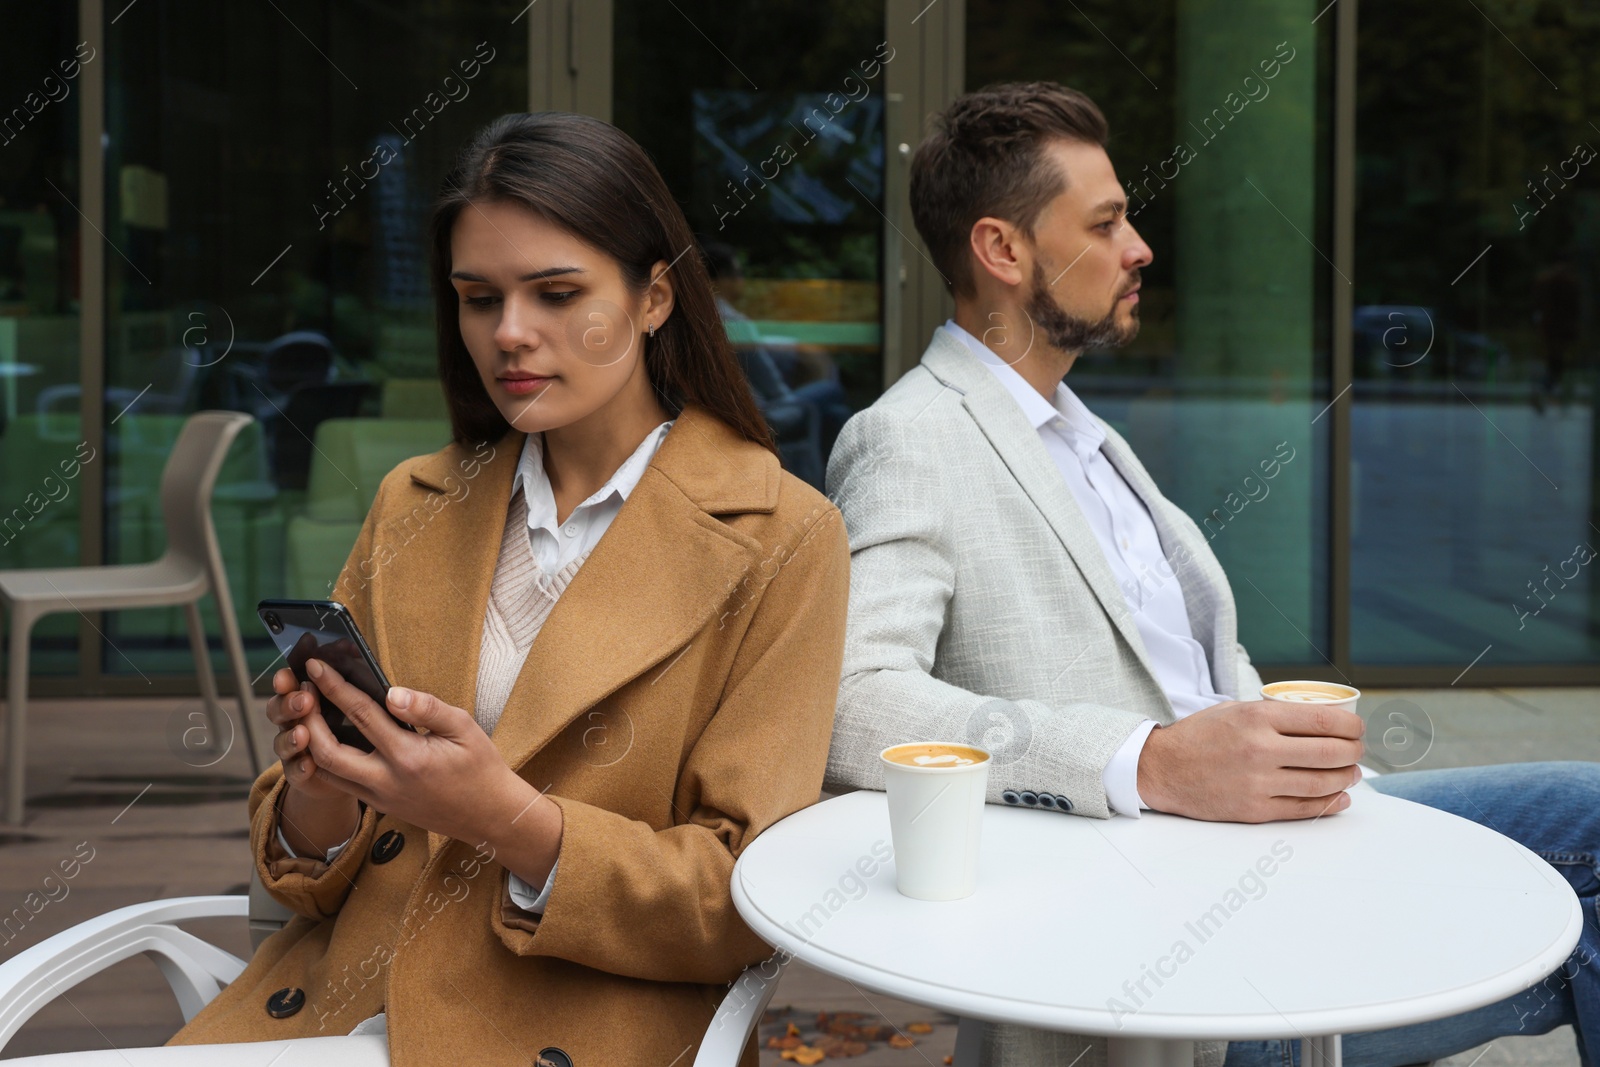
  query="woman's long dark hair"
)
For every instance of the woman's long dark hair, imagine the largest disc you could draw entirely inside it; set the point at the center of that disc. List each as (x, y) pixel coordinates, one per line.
(595, 182)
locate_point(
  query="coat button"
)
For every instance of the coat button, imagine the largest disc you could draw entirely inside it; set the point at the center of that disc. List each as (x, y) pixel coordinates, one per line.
(388, 846)
(1062, 803)
(553, 1057)
(285, 1002)
(1046, 800)
(1010, 796)
(1030, 798)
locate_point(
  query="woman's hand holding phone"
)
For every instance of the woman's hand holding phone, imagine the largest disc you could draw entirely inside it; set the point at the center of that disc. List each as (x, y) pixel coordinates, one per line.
(291, 702)
(315, 814)
(447, 776)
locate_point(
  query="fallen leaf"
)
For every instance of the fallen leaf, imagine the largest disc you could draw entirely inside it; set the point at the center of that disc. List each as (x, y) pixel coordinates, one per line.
(793, 1031)
(805, 1054)
(919, 1028)
(901, 1041)
(840, 1048)
(787, 1041)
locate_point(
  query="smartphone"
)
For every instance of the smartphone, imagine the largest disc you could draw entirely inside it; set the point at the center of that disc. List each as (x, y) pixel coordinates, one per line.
(325, 630)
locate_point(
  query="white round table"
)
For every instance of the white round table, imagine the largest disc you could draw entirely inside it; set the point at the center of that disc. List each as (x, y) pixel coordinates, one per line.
(1161, 930)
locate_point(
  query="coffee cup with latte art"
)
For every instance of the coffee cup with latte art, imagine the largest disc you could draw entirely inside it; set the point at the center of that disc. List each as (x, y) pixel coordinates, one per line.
(936, 795)
(1330, 694)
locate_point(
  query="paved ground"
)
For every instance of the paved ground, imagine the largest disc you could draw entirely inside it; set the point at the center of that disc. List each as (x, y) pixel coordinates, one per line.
(111, 781)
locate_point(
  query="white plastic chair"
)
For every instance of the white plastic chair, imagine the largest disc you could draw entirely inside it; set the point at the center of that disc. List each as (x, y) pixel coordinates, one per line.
(190, 568)
(197, 970)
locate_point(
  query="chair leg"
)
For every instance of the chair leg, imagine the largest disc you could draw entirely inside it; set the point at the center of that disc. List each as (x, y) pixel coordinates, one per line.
(241, 669)
(202, 668)
(22, 622)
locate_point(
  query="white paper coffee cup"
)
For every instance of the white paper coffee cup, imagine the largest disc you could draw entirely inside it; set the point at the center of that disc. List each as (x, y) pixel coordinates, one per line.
(936, 819)
(1304, 691)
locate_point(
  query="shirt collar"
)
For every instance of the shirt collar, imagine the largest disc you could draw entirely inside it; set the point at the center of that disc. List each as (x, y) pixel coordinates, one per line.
(1065, 413)
(534, 483)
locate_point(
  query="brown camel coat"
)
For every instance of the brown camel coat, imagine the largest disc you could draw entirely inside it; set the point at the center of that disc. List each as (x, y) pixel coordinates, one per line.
(677, 702)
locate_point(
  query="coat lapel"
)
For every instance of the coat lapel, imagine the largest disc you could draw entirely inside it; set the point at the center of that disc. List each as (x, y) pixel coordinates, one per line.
(1019, 447)
(1206, 598)
(652, 581)
(439, 578)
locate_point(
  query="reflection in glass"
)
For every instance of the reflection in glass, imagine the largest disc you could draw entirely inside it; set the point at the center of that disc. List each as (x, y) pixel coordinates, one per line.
(1474, 519)
(270, 191)
(42, 450)
(1217, 132)
(782, 181)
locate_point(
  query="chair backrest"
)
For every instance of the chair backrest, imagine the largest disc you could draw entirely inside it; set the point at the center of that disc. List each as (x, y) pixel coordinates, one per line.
(308, 407)
(353, 455)
(189, 477)
(299, 358)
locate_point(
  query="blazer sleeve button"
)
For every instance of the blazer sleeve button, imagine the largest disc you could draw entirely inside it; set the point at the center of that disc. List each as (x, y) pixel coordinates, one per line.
(1047, 800)
(1010, 796)
(1062, 803)
(553, 1057)
(285, 1002)
(1030, 798)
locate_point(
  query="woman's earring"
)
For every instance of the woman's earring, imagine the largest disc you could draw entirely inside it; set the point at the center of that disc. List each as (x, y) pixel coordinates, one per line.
(651, 329)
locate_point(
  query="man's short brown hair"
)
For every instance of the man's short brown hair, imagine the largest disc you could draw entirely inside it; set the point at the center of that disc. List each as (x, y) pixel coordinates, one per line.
(984, 155)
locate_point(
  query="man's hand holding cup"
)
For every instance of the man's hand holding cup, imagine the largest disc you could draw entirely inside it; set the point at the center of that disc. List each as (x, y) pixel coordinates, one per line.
(1290, 755)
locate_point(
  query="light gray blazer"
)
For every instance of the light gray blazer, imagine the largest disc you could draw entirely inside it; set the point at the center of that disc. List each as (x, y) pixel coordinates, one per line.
(982, 609)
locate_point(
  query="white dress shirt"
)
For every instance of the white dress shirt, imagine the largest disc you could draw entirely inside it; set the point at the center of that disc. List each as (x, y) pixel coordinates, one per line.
(1127, 536)
(554, 546)
(557, 544)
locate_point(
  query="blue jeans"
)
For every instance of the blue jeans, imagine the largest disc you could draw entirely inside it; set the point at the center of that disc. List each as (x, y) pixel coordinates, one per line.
(1554, 810)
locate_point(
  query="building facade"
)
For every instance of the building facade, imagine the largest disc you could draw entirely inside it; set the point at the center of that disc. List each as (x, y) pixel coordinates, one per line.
(1366, 366)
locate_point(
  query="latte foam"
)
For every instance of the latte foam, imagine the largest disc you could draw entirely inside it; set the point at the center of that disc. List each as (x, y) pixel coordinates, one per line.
(934, 755)
(1308, 692)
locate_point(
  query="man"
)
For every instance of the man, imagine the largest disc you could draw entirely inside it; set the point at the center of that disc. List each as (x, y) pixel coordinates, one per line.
(1018, 581)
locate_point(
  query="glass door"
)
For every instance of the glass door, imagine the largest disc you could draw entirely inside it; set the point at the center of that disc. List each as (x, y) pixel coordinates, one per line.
(1219, 134)
(771, 131)
(269, 171)
(45, 461)
(1476, 514)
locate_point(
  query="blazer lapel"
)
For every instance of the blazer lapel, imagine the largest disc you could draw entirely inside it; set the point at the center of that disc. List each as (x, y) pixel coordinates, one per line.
(663, 567)
(1019, 447)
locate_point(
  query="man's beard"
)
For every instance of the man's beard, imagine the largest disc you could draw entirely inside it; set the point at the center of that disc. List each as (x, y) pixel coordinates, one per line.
(1069, 333)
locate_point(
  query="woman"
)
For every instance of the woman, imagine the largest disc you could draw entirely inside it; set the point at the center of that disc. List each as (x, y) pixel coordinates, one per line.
(543, 869)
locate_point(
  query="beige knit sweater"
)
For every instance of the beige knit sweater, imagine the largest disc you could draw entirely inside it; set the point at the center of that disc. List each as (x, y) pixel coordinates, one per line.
(519, 601)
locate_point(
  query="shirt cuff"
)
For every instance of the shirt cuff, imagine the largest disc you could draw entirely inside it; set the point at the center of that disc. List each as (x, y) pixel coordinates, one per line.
(1121, 776)
(522, 894)
(333, 853)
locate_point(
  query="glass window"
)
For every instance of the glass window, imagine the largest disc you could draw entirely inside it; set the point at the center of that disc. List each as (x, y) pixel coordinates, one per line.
(1473, 451)
(43, 455)
(269, 170)
(1219, 134)
(775, 150)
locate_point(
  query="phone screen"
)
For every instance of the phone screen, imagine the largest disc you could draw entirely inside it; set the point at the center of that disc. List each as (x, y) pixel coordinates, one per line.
(311, 629)
(338, 652)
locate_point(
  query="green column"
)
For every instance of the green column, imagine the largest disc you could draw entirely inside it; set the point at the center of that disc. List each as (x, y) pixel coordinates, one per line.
(1242, 183)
